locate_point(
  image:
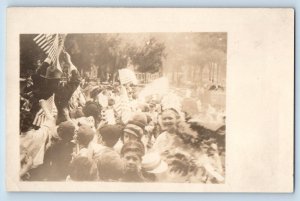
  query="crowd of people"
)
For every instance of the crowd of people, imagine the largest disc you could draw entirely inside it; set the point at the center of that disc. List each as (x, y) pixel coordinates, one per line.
(76, 129)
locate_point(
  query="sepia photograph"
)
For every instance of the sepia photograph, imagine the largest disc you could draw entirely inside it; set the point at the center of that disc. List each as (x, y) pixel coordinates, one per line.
(149, 100)
(136, 107)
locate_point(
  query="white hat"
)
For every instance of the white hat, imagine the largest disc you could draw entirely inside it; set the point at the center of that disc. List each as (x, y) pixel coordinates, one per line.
(152, 163)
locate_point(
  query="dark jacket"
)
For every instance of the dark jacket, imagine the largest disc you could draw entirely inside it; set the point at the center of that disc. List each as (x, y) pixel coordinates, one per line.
(63, 94)
(57, 160)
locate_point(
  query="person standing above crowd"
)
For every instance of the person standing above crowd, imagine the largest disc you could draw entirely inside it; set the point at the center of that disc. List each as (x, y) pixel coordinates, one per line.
(42, 88)
(64, 92)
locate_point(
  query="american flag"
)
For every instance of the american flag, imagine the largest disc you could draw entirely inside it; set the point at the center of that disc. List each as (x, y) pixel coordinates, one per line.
(40, 116)
(127, 76)
(122, 106)
(51, 44)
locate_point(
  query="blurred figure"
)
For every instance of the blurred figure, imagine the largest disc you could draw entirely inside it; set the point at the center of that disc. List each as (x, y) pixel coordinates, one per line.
(59, 155)
(110, 166)
(84, 136)
(153, 167)
(82, 169)
(35, 142)
(108, 137)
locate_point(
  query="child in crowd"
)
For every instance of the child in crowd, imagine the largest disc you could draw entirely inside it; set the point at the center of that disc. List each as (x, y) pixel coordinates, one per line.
(82, 169)
(84, 136)
(132, 153)
(59, 155)
(133, 131)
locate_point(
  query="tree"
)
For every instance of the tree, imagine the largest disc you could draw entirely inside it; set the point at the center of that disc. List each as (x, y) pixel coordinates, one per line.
(212, 51)
(29, 54)
(102, 50)
(148, 58)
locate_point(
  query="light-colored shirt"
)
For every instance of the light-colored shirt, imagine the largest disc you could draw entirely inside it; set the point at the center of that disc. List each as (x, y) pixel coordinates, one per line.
(165, 141)
(33, 142)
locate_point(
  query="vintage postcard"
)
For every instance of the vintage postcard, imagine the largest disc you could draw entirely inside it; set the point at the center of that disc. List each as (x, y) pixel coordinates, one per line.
(150, 100)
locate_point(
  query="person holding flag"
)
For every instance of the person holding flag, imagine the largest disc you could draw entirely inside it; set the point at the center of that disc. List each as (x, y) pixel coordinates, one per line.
(63, 93)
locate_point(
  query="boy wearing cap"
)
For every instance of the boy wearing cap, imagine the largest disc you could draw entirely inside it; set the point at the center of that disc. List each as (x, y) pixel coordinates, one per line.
(134, 130)
(132, 153)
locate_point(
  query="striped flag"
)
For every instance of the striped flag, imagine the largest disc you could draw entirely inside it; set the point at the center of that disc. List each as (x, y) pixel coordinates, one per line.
(127, 76)
(122, 106)
(40, 116)
(51, 44)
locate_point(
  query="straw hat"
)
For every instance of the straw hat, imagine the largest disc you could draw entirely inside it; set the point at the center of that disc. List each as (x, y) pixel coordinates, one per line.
(152, 163)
